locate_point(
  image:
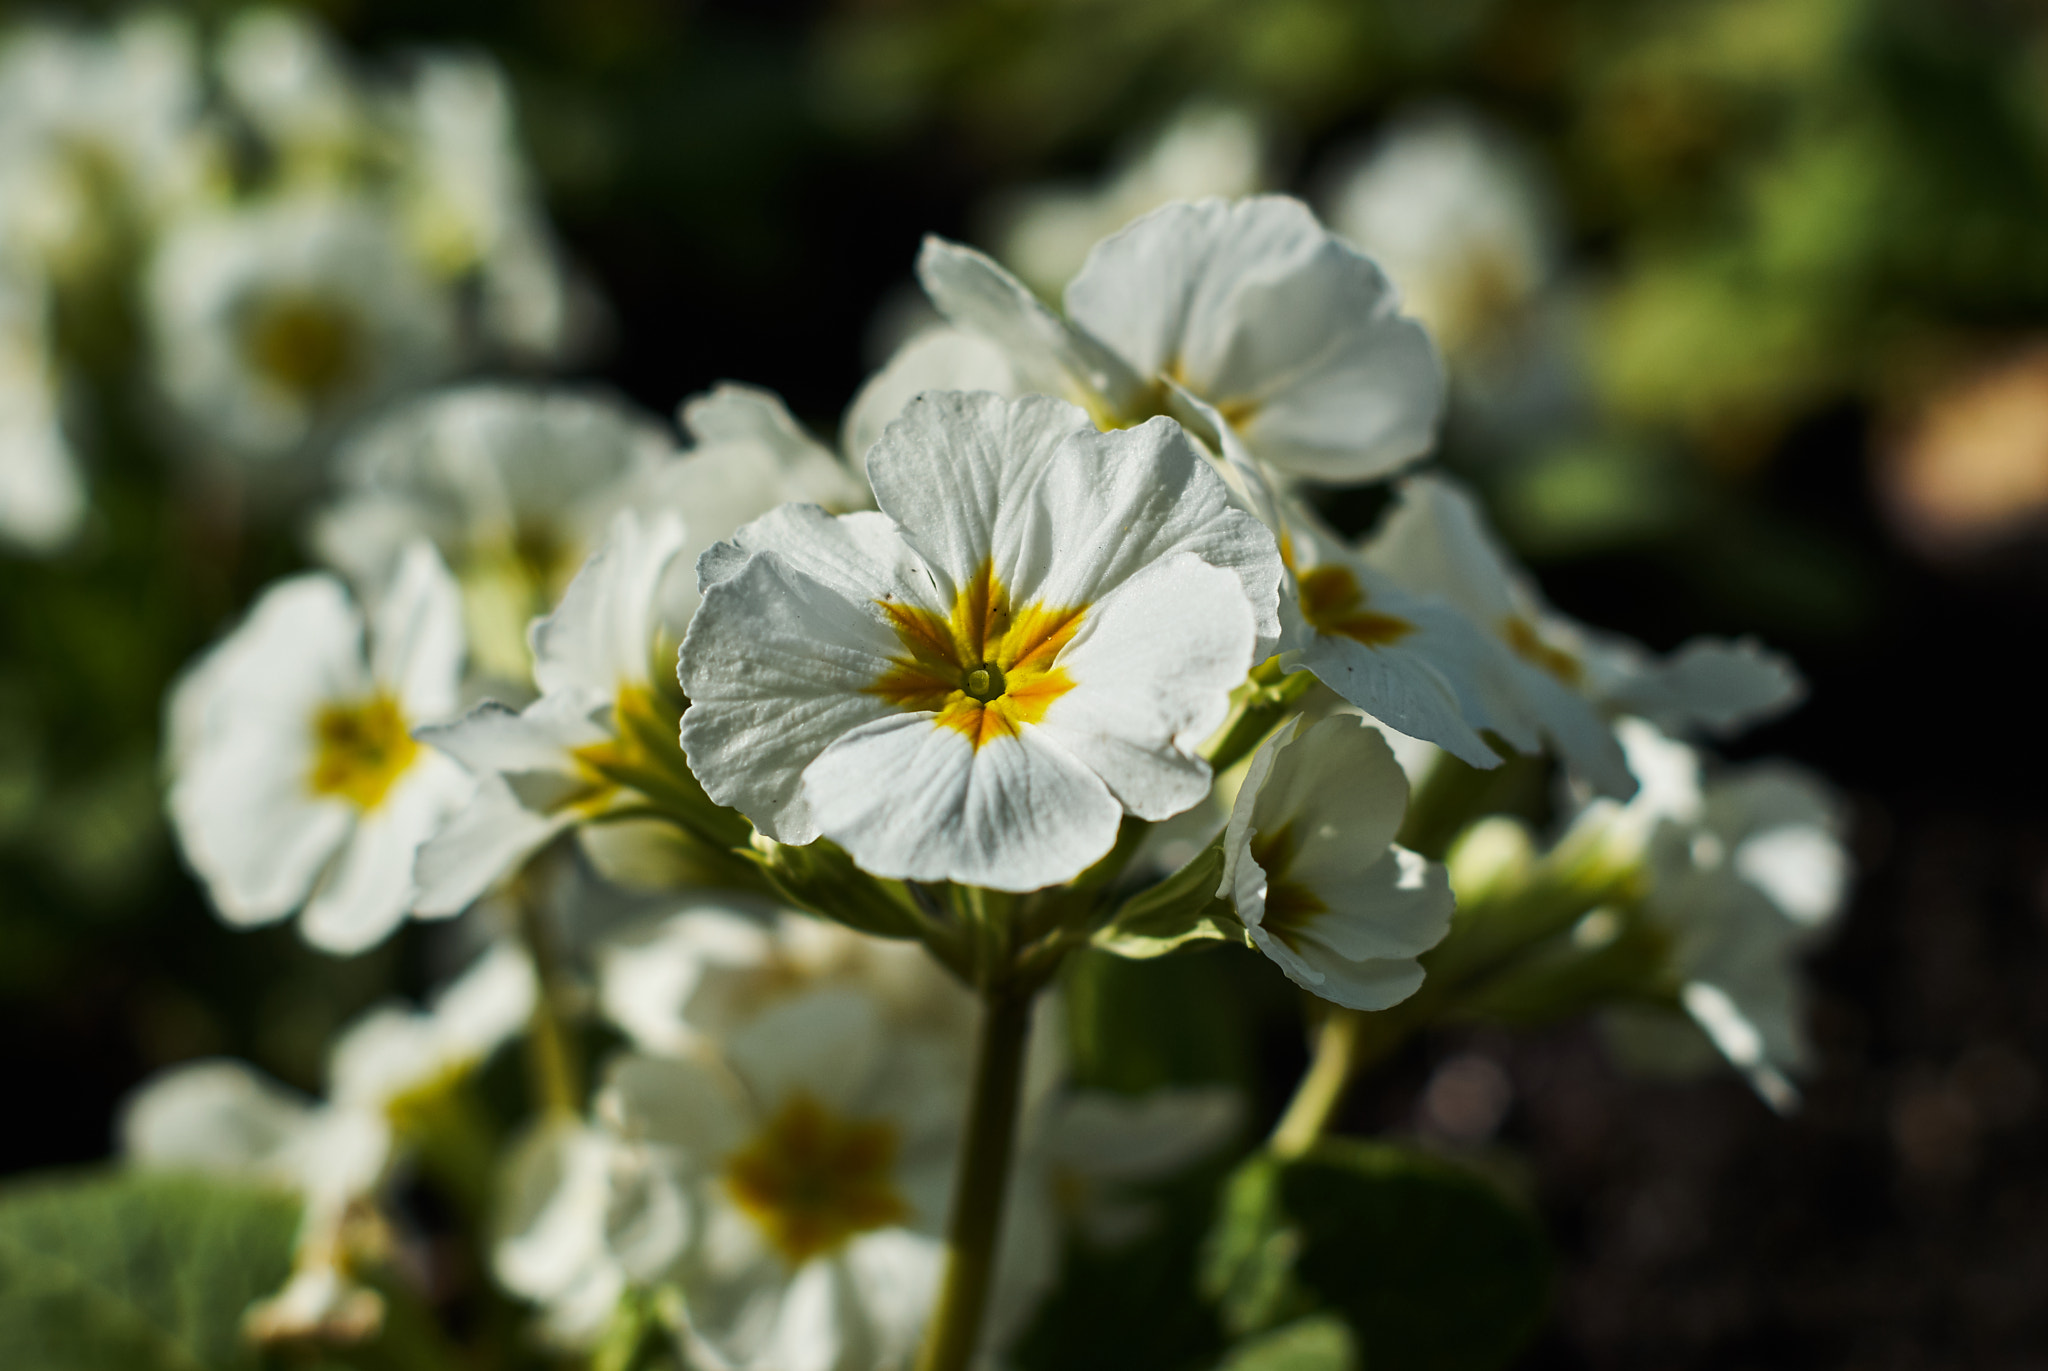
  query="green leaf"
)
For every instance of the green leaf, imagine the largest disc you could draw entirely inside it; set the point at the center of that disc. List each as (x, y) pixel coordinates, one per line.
(1182, 909)
(1432, 1267)
(1249, 1258)
(1320, 1342)
(137, 1272)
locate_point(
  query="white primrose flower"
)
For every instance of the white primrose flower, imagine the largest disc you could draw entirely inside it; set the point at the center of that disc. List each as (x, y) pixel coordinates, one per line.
(100, 137)
(1045, 232)
(225, 1117)
(690, 980)
(809, 1166)
(1747, 870)
(1311, 865)
(979, 682)
(1411, 661)
(274, 324)
(1436, 542)
(539, 771)
(1248, 317)
(42, 494)
(471, 209)
(1456, 216)
(297, 782)
(515, 484)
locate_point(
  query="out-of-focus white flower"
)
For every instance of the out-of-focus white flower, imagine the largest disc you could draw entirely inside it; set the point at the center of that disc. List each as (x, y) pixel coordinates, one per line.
(1249, 318)
(470, 207)
(42, 495)
(291, 82)
(274, 324)
(1746, 870)
(1436, 542)
(1045, 232)
(1311, 865)
(813, 1158)
(516, 486)
(100, 135)
(690, 980)
(225, 1117)
(979, 682)
(1456, 216)
(296, 777)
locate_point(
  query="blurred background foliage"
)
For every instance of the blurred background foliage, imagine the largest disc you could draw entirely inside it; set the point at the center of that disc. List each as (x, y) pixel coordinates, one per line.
(1804, 264)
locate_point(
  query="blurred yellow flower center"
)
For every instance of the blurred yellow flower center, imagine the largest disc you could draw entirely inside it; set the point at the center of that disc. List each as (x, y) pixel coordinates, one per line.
(360, 750)
(812, 1180)
(309, 345)
(1334, 602)
(986, 669)
(1290, 905)
(1524, 641)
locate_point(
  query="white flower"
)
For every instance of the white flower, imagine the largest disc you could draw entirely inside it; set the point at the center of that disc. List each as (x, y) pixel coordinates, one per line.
(1457, 218)
(1566, 675)
(551, 1244)
(695, 977)
(275, 323)
(1411, 661)
(100, 135)
(1311, 864)
(283, 74)
(1745, 884)
(42, 495)
(297, 781)
(223, 1116)
(516, 486)
(763, 457)
(979, 682)
(470, 207)
(1249, 317)
(813, 1162)
(1045, 232)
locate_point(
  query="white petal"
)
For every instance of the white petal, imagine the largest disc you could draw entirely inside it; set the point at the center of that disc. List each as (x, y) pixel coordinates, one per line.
(937, 359)
(1367, 985)
(603, 634)
(216, 1115)
(683, 1103)
(826, 1044)
(1051, 356)
(895, 1280)
(416, 636)
(804, 468)
(369, 890)
(863, 556)
(1256, 302)
(776, 666)
(1710, 684)
(485, 841)
(1153, 667)
(914, 800)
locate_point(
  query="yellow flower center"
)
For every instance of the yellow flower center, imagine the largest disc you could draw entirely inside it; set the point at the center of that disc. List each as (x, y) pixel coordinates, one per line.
(812, 1180)
(1523, 640)
(1290, 905)
(309, 345)
(986, 669)
(360, 750)
(1334, 602)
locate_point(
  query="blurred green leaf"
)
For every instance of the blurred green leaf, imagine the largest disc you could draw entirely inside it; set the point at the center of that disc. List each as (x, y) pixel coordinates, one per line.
(136, 1272)
(1431, 1265)
(1320, 1342)
(1248, 1260)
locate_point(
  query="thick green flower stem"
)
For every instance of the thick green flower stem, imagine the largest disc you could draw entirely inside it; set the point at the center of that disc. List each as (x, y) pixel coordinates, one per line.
(550, 1059)
(1347, 1043)
(978, 1189)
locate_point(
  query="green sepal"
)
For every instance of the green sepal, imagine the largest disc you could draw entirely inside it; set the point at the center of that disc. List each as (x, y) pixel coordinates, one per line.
(648, 757)
(821, 878)
(1182, 909)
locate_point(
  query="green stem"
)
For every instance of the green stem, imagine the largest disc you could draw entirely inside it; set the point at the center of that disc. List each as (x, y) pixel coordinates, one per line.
(1348, 1042)
(550, 1059)
(977, 1215)
(1273, 697)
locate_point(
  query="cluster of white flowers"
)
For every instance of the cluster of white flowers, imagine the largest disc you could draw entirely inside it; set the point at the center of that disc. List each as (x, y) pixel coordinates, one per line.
(1065, 583)
(303, 241)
